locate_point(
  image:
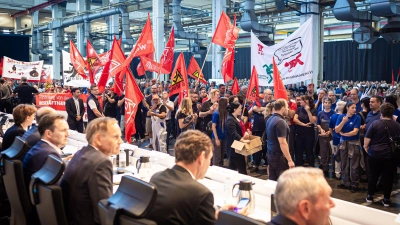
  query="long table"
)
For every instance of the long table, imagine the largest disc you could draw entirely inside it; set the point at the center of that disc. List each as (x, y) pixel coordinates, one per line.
(344, 213)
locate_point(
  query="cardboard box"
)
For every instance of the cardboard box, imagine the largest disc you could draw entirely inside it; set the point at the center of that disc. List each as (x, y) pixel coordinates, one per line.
(246, 149)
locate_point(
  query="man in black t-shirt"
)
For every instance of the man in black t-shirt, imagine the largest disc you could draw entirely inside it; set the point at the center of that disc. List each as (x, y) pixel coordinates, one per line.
(25, 92)
(208, 108)
(302, 88)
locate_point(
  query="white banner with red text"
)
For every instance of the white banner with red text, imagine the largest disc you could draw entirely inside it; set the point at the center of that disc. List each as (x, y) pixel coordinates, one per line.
(16, 69)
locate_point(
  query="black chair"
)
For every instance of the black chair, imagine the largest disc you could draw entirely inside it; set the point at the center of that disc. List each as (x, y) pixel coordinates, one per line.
(13, 179)
(3, 122)
(226, 217)
(46, 195)
(130, 204)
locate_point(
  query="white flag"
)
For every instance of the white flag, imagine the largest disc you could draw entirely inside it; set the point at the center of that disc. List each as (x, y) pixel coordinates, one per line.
(293, 57)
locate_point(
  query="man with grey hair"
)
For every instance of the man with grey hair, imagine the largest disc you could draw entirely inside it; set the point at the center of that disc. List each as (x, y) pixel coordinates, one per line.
(32, 136)
(302, 197)
(25, 92)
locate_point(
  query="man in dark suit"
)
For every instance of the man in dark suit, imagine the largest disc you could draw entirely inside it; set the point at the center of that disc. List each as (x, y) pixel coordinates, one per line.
(75, 111)
(175, 204)
(88, 177)
(32, 136)
(54, 132)
(302, 196)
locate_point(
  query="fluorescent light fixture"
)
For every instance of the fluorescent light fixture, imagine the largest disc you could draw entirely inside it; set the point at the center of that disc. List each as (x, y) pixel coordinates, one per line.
(48, 17)
(3, 13)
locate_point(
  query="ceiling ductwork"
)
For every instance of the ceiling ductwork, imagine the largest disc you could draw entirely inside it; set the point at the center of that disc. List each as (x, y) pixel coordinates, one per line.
(249, 22)
(365, 35)
(388, 8)
(177, 23)
(86, 18)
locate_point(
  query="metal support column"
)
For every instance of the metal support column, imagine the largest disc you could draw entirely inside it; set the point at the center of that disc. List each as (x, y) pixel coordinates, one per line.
(311, 8)
(80, 28)
(158, 29)
(17, 24)
(58, 11)
(216, 55)
(35, 21)
(87, 26)
(113, 26)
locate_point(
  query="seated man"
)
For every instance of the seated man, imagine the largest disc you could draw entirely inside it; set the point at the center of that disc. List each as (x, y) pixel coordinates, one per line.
(302, 198)
(32, 136)
(88, 177)
(53, 129)
(181, 199)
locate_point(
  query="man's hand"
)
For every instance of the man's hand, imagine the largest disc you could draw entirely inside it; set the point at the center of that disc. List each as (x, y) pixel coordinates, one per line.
(217, 142)
(68, 158)
(78, 118)
(291, 164)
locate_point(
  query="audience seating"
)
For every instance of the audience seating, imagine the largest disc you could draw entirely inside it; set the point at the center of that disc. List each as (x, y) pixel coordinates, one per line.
(3, 122)
(46, 194)
(130, 204)
(226, 217)
(13, 178)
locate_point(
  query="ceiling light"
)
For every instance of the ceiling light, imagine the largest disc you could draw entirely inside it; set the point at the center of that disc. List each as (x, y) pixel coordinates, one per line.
(3, 13)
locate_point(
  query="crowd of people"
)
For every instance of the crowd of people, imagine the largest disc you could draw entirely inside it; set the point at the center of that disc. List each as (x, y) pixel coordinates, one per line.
(345, 124)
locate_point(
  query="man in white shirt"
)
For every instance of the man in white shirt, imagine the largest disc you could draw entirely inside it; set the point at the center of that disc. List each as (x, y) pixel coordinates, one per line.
(170, 108)
(75, 110)
(54, 132)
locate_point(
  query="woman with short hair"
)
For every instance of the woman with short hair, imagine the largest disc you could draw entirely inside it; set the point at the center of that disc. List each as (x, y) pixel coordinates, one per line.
(23, 116)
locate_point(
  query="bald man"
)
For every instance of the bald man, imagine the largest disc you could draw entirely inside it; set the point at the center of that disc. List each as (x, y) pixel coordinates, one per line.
(32, 136)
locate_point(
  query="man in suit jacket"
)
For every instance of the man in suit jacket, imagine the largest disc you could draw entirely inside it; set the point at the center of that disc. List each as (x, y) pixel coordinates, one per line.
(302, 196)
(32, 136)
(88, 177)
(75, 111)
(54, 132)
(175, 204)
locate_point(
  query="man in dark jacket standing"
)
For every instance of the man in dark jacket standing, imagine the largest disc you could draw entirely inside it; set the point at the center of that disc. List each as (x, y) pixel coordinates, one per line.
(75, 110)
(25, 92)
(93, 105)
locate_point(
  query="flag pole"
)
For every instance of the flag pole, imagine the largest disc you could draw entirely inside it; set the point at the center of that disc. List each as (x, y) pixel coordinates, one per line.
(204, 62)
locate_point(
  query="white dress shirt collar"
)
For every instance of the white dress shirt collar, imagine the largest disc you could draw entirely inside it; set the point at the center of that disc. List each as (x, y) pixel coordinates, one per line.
(191, 174)
(53, 146)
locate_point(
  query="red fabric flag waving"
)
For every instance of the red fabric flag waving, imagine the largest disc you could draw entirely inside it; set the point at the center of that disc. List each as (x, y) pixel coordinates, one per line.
(179, 79)
(77, 60)
(140, 68)
(105, 75)
(1, 65)
(227, 66)
(150, 65)
(253, 92)
(143, 46)
(225, 33)
(392, 78)
(279, 88)
(93, 61)
(167, 58)
(235, 87)
(133, 97)
(194, 70)
(117, 59)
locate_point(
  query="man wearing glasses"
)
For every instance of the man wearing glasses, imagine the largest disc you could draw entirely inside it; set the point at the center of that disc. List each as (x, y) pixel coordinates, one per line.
(94, 109)
(75, 111)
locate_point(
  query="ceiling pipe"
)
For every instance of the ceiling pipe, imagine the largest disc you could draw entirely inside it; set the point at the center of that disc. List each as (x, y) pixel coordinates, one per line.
(177, 23)
(388, 8)
(249, 21)
(126, 36)
(34, 43)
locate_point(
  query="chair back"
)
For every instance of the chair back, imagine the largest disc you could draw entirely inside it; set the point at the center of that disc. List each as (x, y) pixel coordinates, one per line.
(12, 176)
(46, 195)
(130, 204)
(226, 217)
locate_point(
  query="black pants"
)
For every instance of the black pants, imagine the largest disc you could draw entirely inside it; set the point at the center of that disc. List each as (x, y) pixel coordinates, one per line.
(378, 166)
(258, 155)
(238, 163)
(139, 127)
(305, 144)
(277, 164)
(169, 129)
(76, 125)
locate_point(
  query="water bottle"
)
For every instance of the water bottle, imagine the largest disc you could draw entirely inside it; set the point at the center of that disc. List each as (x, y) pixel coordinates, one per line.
(122, 159)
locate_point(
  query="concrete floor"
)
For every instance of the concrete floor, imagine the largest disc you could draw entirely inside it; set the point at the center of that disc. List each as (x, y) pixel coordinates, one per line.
(346, 195)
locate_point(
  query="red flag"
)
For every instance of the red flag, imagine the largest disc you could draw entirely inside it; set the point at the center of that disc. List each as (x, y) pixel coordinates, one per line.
(195, 71)
(93, 61)
(253, 92)
(106, 75)
(1, 66)
(235, 87)
(221, 35)
(117, 59)
(227, 66)
(392, 78)
(77, 60)
(140, 68)
(167, 58)
(279, 88)
(120, 41)
(143, 46)
(150, 65)
(179, 79)
(133, 97)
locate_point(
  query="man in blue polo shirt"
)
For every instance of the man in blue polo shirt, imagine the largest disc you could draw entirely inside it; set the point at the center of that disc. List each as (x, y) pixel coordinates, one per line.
(339, 91)
(354, 98)
(375, 114)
